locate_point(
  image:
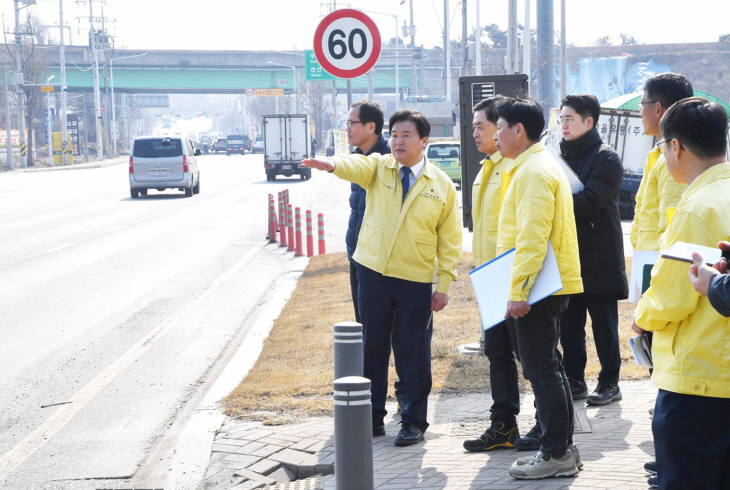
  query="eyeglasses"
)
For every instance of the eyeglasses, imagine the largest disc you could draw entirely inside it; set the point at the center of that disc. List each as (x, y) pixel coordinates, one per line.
(566, 121)
(350, 124)
(666, 141)
(642, 102)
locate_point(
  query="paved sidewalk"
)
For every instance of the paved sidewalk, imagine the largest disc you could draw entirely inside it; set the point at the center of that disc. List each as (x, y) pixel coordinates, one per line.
(614, 441)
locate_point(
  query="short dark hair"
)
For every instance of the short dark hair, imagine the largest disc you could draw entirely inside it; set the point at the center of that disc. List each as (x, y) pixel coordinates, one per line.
(699, 124)
(526, 111)
(422, 125)
(668, 88)
(490, 107)
(586, 105)
(370, 112)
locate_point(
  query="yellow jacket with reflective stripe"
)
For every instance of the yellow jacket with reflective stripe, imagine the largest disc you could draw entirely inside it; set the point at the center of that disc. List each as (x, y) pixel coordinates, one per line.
(537, 207)
(486, 195)
(691, 345)
(405, 239)
(659, 192)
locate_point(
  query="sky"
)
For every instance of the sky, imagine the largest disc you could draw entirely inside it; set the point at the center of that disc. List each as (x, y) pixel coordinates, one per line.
(282, 25)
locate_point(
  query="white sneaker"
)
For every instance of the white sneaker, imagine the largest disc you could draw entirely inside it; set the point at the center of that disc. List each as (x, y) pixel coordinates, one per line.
(539, 467)
(571, 447)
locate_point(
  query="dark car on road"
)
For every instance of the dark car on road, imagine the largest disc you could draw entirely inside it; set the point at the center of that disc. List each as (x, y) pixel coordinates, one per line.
(236, 143)
(219, 145)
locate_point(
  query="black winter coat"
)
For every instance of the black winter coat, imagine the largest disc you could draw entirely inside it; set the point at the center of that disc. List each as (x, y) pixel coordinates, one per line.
(600, 238)
(357, 201)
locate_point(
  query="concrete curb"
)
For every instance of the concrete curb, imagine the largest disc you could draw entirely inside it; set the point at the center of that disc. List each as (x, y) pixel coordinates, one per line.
(80, 166)
(195, 444)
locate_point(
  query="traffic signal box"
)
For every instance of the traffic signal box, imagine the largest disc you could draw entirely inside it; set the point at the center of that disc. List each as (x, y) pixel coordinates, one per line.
(57, 148)
(471, 91)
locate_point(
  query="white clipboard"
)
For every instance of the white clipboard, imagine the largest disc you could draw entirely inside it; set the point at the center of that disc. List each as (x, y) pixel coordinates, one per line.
(575, 184)
(492, 281)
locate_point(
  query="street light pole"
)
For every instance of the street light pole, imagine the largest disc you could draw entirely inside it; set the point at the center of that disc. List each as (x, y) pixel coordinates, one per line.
(114, 112)
(294, 72)
(397, 75)
(97, 95)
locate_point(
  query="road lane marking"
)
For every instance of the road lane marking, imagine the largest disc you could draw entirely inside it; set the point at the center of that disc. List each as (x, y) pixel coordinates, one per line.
(60, 247)
(13, 458)
(114, 230)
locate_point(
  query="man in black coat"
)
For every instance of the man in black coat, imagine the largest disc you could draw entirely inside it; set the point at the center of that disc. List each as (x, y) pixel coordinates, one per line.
(600, 242)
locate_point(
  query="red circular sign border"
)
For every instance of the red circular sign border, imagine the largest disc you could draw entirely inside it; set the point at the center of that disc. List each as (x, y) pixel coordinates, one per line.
(319, 34)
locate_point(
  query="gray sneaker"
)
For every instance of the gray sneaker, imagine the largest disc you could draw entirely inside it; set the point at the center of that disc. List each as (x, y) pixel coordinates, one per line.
(539, 467)
(605, 393)
(572, 447)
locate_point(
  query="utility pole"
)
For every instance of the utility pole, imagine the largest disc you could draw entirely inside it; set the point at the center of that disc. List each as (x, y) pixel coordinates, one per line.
(64, 122)
(97, 94)
(464, 32)
(412, 32)
(545, 55)
(447, 53)
(8, 144)
(86, 130)
(563, 56)
(19, 86)
(512, 37)
(526, 41)
(478, 42)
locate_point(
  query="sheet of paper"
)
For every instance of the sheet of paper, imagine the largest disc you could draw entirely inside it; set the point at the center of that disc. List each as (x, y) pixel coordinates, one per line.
(575, 184)
(639, 259)
(683, 251)
(492, 281)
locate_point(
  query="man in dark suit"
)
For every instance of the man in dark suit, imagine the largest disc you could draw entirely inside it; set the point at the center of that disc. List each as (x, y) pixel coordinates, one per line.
(600, 244)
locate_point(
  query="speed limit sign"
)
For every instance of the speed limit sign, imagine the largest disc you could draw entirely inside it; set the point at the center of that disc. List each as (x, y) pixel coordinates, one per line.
(347, 43)
(249, 92)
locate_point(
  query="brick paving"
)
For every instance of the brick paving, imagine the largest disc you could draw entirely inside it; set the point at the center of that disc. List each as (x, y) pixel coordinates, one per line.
(614, 441)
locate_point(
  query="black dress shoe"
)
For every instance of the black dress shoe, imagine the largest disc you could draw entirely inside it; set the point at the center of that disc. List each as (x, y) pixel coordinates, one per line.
(409, 435)
(378, 430)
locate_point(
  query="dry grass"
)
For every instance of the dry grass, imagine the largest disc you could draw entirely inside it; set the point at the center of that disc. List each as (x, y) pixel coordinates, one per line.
(293, 377)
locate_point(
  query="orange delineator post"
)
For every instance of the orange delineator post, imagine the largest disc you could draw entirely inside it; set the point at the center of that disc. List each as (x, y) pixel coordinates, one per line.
(272, 220)
(285, 193)
(282, 225)
(320, 232)
(310, 238)
(298, 231)
(290, 227)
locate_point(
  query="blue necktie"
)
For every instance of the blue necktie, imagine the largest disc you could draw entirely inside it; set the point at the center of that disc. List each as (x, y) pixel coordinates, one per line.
(406, 179)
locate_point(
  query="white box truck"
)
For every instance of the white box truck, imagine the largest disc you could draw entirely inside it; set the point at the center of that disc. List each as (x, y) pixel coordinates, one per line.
(286, 144)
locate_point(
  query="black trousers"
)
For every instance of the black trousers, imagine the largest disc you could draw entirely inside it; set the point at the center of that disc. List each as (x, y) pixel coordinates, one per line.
(692, 441)
(604, 318)
(395, 337)
(537, 345)
(499, 347)
(385, 301)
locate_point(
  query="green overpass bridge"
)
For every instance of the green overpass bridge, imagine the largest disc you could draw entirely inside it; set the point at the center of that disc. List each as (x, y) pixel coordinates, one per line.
(209, 72)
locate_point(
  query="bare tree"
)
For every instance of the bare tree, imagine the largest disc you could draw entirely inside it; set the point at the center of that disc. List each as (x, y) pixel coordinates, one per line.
(36, 66)
(315, 100)
(262, 106)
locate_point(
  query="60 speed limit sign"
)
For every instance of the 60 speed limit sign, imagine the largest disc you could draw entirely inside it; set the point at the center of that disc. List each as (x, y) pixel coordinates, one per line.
(347, 43)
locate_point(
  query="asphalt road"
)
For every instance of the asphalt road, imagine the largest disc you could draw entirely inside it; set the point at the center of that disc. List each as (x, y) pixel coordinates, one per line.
(117, 312)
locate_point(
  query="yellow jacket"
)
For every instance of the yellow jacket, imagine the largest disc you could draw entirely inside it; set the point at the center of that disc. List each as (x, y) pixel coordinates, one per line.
(405, 239)
(485, 211)
(658, 192)
(537, 207)
(691, 345)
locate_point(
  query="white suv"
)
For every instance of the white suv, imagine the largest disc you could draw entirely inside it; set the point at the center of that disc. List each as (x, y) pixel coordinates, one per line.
(163, 163)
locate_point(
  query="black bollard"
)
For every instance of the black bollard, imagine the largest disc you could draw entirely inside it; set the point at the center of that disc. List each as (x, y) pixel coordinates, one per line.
(353, 434)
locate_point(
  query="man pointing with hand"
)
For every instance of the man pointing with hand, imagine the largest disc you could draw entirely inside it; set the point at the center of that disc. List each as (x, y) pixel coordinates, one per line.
(410, 229)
